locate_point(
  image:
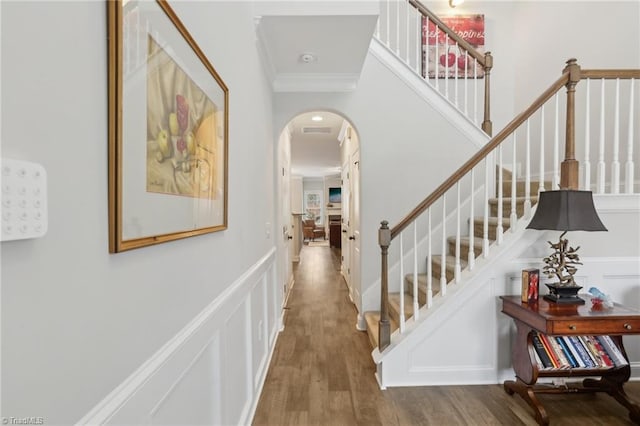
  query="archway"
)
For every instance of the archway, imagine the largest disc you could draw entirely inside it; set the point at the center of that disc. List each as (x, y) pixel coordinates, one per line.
(318, 179)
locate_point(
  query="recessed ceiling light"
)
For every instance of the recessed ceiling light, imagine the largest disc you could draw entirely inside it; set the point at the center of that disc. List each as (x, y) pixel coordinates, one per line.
(307, 58)
(317, 118)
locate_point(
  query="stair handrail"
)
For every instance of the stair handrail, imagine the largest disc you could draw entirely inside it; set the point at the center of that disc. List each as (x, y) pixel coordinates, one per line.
(480, 155)
(486, 60)
(571, 75)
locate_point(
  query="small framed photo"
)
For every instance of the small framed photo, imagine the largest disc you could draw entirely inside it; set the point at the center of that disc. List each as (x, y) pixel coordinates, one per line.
(530, 285)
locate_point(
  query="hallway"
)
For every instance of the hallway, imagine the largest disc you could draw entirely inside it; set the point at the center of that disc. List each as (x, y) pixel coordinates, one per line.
(321, 372)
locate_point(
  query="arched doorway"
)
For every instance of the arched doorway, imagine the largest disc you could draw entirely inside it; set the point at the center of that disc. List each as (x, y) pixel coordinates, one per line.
(318, 179)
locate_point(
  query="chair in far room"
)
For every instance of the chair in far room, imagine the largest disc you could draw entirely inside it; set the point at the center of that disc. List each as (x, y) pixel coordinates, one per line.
(311, 231)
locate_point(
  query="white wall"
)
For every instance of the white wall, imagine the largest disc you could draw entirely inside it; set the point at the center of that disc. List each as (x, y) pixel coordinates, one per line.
(76, 320)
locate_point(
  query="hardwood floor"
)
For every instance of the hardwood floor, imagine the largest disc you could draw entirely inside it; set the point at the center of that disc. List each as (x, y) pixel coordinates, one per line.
(322, 373)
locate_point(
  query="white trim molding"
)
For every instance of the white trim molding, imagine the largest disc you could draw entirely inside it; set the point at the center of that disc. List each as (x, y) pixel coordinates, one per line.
(212, 371)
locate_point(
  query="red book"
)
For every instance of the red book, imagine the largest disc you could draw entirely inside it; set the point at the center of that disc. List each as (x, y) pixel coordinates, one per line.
(603, 353)
(550, 351)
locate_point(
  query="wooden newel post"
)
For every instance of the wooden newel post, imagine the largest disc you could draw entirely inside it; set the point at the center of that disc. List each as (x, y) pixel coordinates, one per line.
(569, 169)
(384, 328)
(486, 124)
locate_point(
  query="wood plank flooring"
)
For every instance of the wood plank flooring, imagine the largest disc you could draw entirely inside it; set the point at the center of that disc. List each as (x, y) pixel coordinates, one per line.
(322, 373)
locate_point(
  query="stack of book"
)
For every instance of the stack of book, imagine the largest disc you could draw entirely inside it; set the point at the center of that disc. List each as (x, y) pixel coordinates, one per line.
(592, 352)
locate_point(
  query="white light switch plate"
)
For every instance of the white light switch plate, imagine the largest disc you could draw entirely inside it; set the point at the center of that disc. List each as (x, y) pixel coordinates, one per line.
(24, 200)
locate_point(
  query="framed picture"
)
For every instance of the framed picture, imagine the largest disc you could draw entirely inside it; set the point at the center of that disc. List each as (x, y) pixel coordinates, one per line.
(335, 195)
(441, 57)
(168, 130)
(313, 205)
(530, 285)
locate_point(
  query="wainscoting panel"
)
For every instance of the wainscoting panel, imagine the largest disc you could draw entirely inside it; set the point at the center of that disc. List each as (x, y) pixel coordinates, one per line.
(202, 396)
(213, 370)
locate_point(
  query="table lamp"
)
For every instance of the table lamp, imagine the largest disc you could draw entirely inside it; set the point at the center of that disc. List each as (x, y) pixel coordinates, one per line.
(564, 210)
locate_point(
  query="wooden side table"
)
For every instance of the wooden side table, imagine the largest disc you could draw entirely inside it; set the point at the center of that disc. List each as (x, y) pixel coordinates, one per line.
(568, 320)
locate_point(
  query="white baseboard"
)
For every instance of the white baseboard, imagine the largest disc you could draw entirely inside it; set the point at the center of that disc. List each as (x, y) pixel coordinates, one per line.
(211, 371)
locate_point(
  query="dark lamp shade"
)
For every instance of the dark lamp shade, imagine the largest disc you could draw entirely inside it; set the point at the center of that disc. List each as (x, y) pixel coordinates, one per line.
(566, 210)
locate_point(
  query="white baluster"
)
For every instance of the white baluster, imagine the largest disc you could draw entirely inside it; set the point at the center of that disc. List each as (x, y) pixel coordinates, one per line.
(377, 32)
(455, 66)
(527, 174)
(466, 84)
(429, 265)
(485, 223)
(615, 165)
(422, 50)
(443, 258)
(514, 214)
(587, 140)
(475, 91)
(556, 148)
(541, 186)
(601, 167)
(398, 28)
(402, 319)
(416, 306)
(458, 268)
(435, 58)
(388, 24)
(499, 228)
(472, 254)
(629, 166)
(408, 9)
(446, 66)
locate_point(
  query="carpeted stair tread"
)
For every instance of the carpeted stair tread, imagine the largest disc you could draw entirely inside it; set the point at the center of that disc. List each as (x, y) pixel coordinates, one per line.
(394, 306)
(422, 287)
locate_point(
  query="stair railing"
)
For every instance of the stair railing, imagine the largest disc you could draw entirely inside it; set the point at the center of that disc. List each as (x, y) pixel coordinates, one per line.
(529, 147)
(406, 28)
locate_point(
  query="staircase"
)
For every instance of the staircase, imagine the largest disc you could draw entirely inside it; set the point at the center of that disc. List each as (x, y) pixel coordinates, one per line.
(475, 246)
(372, 318)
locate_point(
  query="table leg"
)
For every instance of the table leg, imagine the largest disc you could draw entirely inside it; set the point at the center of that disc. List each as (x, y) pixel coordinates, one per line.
(527, 393)
(613, 386)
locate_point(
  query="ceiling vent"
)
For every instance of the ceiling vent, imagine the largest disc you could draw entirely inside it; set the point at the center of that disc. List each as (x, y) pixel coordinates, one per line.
(316, 130)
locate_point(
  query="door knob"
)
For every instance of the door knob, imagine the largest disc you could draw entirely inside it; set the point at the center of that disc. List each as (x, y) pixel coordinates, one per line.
(289, 237)
(344, 231)
(352, 237)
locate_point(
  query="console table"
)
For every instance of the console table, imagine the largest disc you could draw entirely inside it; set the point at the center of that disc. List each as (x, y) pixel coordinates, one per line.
(568, 320)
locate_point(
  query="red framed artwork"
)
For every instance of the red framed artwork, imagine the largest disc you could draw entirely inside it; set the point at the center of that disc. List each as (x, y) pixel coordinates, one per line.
(442, 57)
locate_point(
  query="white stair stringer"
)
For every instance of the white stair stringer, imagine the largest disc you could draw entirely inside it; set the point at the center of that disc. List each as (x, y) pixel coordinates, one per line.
(434, 349)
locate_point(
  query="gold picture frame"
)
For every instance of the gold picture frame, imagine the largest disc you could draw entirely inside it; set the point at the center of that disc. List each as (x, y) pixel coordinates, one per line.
(168, 130)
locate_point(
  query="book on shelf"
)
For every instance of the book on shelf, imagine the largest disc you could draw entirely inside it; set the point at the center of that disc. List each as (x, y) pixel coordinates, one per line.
(574, 352)
(541, 352)
(562, 358)
(566, 352)
(612, 349)
(552, 354)
(603, 354)
(582, 352)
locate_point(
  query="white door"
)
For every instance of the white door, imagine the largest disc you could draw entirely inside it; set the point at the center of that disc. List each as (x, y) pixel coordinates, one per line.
(346, 243)
(286, 232)
(354, 235)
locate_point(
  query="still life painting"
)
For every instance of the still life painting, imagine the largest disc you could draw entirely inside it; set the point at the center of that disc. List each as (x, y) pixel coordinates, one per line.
(168, 129)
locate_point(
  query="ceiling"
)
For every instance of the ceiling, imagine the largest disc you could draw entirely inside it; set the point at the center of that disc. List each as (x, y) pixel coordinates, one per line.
(307, 49)
(315, 148)
(315, 46)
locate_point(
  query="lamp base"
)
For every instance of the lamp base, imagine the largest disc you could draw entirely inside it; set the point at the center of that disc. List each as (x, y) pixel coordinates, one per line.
(564, 294)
